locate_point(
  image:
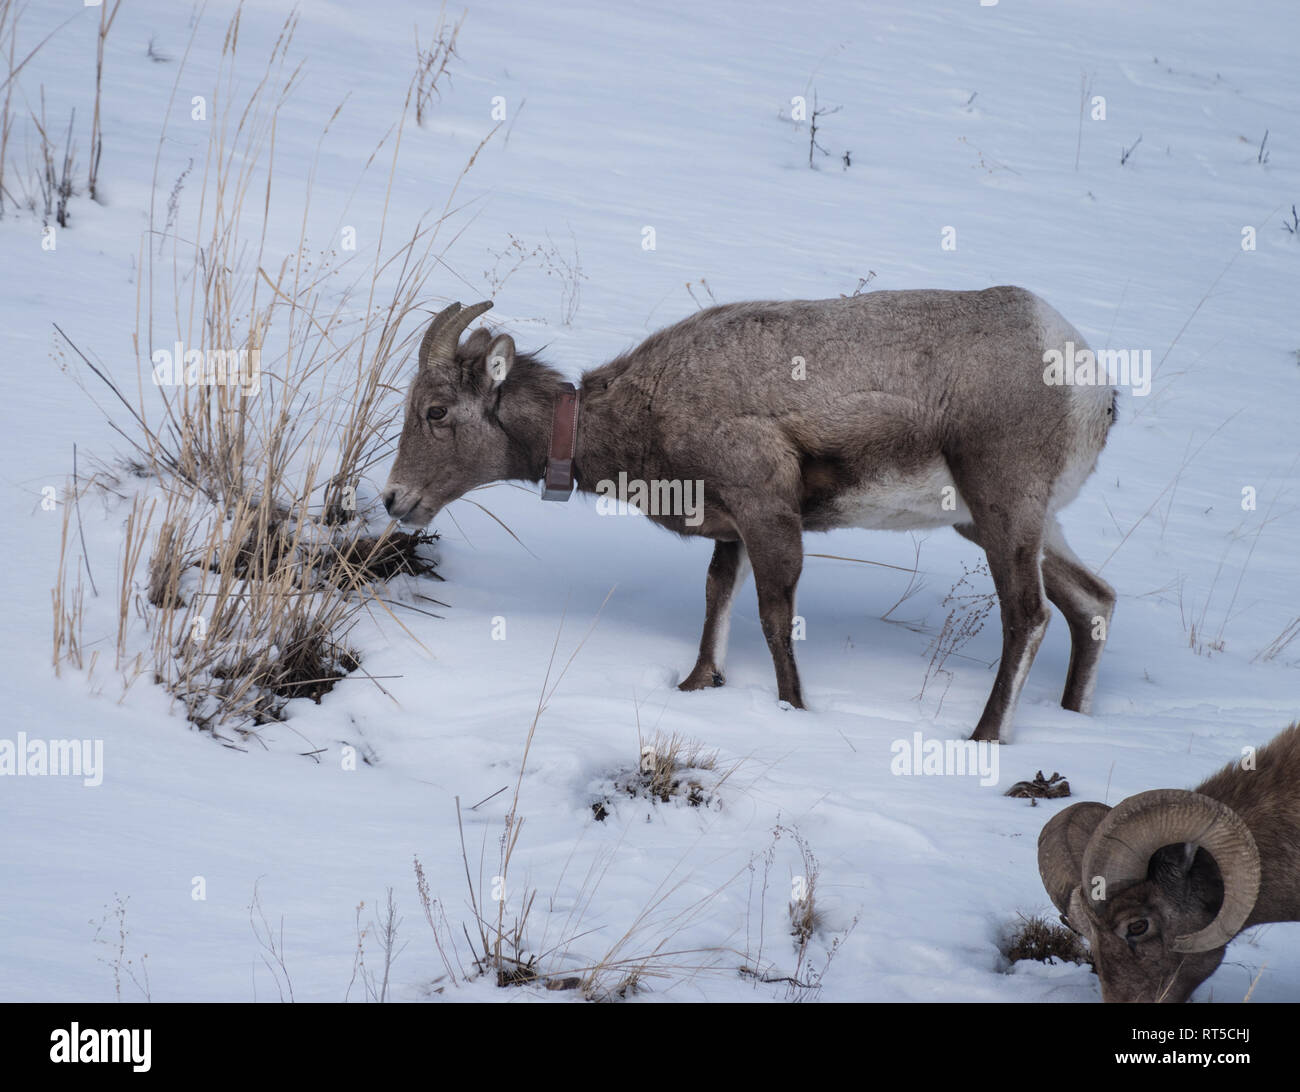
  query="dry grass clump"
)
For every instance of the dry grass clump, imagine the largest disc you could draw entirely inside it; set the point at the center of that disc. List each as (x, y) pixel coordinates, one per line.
(366, 559)
(46, 185)
(1045, 941)
(266, 397)
(666, 768)
(165, 565)
(670, 768)
(253, 611)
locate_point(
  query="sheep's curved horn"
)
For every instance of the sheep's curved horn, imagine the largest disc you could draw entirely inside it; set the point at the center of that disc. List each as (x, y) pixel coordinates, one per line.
(443, 334)
(1061, 845)
(1121, 847)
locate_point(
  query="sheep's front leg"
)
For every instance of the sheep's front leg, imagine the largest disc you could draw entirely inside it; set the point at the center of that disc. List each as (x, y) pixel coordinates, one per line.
(727, 572)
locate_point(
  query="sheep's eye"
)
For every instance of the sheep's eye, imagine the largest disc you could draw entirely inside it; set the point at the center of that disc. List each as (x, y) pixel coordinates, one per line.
(435, 413)
(1138, 928)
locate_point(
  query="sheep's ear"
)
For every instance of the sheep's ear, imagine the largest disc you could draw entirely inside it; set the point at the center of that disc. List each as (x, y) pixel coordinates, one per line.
(500, 359)
(475, 342)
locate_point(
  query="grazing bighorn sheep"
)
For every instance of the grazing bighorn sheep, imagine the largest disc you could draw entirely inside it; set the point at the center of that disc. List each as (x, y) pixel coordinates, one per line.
(1162, 882)
(894, 410)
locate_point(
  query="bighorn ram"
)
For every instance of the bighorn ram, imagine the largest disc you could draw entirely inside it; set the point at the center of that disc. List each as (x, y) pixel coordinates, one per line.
(1162, 882)
(893, 410)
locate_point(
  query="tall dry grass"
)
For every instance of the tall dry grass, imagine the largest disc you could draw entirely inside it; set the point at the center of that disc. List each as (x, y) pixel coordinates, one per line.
(266, 381)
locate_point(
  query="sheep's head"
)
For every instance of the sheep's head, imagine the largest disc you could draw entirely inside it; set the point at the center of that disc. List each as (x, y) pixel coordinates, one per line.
(1158, 885)
(451, 437)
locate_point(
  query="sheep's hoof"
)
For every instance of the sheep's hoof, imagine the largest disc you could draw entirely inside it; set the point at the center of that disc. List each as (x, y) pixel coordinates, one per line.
(702, 678)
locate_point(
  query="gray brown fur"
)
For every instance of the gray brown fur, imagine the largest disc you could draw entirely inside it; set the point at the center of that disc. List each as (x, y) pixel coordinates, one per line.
(905, 393)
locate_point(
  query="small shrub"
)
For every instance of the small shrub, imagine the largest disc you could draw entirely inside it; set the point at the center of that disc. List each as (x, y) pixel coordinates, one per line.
(1045, 942)
(669, 769)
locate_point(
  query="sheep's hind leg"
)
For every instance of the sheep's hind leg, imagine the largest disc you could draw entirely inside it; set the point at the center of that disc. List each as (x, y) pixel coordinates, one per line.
(1012, 543)
(1087, 602)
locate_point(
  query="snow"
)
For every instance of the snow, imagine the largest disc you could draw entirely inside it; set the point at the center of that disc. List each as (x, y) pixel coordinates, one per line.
(676, 117)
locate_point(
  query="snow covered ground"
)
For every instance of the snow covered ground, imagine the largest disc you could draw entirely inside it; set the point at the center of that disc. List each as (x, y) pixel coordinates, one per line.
(675, 116)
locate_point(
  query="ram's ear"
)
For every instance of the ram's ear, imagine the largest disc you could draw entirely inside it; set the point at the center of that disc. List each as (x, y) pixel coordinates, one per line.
(500, 359)
(1076, 913)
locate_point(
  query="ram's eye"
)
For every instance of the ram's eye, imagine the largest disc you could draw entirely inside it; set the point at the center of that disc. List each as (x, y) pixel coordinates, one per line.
(435, 413)
(1138, 928)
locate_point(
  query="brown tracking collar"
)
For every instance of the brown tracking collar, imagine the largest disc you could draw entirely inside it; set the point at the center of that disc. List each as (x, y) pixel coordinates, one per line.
(559, 480)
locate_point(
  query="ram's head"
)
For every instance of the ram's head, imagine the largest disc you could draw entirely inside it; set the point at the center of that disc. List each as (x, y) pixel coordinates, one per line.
(1158, 886)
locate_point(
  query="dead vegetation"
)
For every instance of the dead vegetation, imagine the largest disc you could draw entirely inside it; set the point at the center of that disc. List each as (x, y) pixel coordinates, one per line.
(808, 926)
(44, 183)
(1278, 646)
(51, 174)
(1038, 939)
(1040, 788)
(513, 935)
(432, 62)
(554, 263)
(255, 540)
(968, 610)
(670, 769)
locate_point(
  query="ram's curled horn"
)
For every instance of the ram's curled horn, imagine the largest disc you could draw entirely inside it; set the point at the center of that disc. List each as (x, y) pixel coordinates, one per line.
(443, 334)
(1120, 851)
(1061, 846)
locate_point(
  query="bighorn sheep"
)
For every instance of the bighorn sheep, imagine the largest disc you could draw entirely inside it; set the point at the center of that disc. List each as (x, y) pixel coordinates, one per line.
(1162, 882)
(892, 410)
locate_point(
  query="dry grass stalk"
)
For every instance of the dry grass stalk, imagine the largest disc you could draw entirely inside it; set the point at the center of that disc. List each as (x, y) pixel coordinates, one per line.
(68, 606)
(431, 62)
(106, 18)
(53, 176)
(968, 610)
(1280, 643)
